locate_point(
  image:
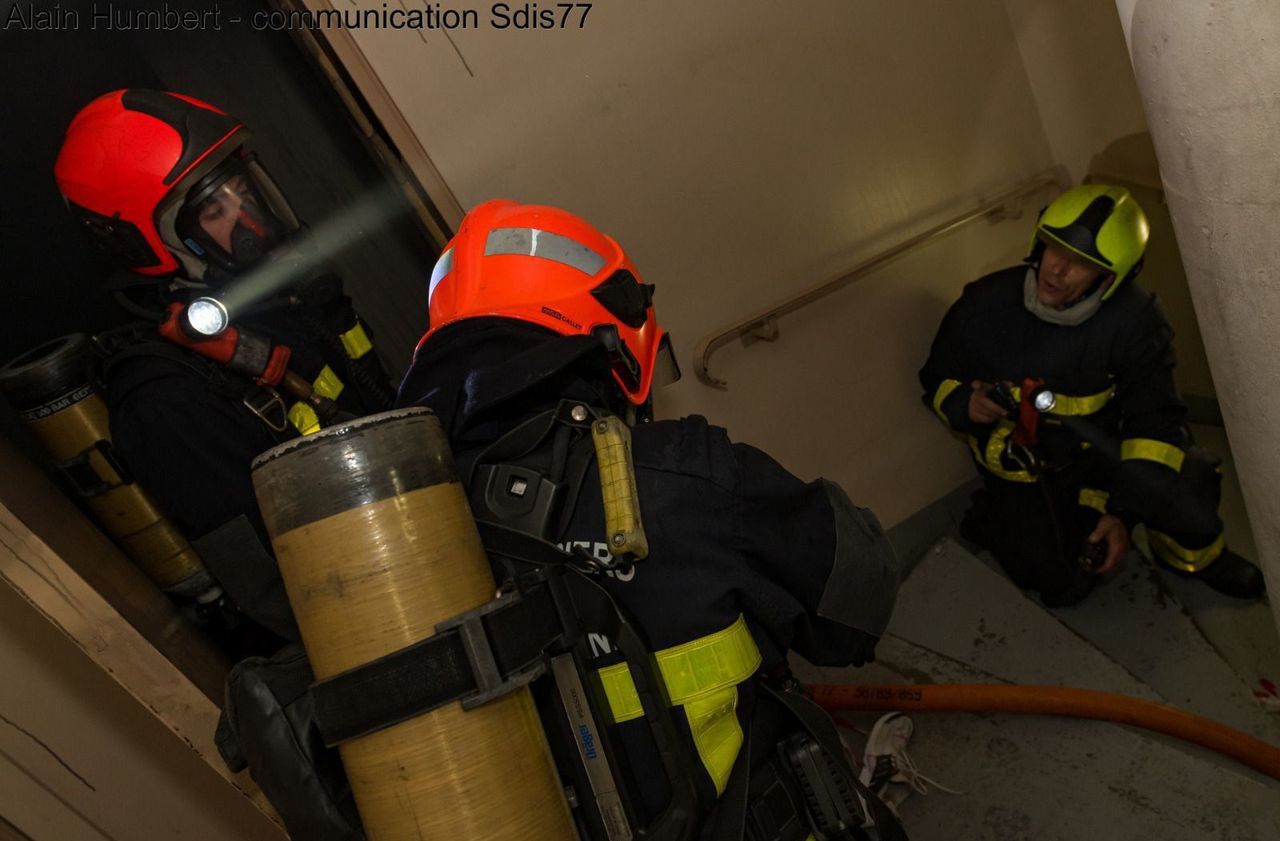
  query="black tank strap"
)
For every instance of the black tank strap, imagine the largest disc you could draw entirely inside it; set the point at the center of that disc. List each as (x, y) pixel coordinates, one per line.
(474, 657)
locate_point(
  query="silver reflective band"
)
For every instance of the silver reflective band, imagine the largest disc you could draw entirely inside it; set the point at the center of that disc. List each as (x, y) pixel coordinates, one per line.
(535, 243)
(1045, 401)
(207, 316)
(443, 266)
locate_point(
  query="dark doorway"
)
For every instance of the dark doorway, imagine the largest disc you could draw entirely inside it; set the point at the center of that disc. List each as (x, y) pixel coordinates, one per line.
(50, 279)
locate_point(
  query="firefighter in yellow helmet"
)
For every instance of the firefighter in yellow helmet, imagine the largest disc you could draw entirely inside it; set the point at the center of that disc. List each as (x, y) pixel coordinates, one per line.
(1059, 375)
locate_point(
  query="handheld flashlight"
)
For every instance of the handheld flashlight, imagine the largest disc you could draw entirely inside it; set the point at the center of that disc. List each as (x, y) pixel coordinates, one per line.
(207, 317)
(1045, 401)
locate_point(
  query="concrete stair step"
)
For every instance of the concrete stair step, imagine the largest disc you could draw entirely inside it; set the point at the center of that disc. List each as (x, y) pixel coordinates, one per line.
(1242, 633)
(955, 605)
(1056, 779)
(960, 620)
(1138, 621)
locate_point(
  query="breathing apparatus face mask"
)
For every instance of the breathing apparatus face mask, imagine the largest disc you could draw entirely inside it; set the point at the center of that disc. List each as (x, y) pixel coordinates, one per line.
(233, 217)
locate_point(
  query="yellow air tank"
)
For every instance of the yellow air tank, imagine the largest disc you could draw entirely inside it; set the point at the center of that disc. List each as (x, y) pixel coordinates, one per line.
(376, 545)
(51, 390)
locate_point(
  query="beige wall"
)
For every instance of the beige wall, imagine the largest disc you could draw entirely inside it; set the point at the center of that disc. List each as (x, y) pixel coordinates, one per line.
(82, 760)
(1079, 68)
(101, 737)
(742, 151)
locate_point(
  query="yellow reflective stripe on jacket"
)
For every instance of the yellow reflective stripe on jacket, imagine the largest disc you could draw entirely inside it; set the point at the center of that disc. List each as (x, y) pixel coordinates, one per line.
(304, 418)
(716, 661)
(943, 392)
(702, 676)
(327, 384)
(1152, 450)
(1070, 404)
(1180, 557)
(356, 341)
(991, 461)
(1093, 498)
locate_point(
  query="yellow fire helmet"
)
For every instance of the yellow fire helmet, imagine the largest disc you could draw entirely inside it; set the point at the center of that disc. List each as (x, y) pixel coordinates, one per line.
(1101, 223)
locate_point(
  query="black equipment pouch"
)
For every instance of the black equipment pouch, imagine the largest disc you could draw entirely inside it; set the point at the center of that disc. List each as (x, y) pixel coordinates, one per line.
(525, 479)
(776, 806)
(834, 808)
(268, 725)
(839, 806)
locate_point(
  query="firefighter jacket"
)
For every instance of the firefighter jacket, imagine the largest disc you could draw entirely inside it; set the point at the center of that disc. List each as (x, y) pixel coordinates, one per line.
(745, 560)
(1112, 376)
(187, 433)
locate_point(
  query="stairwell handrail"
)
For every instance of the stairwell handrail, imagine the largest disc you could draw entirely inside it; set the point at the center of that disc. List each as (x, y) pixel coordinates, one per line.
(763, 323)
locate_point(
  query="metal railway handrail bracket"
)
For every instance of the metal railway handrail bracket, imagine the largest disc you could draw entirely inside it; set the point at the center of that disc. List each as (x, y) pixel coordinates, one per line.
(763, 325)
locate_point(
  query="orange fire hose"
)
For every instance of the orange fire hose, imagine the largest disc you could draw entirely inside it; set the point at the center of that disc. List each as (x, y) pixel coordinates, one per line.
(1055, 700)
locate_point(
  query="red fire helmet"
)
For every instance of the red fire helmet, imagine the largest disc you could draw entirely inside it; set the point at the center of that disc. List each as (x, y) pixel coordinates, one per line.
(127, 163)
(548, 267)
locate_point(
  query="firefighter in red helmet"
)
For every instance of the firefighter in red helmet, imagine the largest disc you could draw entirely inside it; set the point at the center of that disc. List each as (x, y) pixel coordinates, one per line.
(164, 185)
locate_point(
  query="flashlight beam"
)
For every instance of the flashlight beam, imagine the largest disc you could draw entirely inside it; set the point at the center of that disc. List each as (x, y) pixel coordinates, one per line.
(312, 249)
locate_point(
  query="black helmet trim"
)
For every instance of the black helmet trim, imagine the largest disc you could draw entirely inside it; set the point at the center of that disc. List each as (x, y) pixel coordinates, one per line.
(621, 359)
(625, 298)
(1082, 234)
(119, 239)
(199, 128)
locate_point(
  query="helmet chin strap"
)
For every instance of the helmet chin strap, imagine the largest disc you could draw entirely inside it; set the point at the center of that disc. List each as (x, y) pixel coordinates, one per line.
(1069, 316)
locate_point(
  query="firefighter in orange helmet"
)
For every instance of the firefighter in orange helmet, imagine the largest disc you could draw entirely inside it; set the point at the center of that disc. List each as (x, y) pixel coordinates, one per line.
(538, 317)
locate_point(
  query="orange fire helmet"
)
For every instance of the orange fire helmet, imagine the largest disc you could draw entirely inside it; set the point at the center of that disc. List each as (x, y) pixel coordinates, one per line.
(548, 267)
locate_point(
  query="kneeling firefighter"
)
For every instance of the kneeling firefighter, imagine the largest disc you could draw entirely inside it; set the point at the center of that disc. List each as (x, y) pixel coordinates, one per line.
(1060, 374)
(163, 185)
(662, 571)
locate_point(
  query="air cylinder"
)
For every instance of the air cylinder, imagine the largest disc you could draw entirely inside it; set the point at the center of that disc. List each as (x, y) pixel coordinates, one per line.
(51, 390)
(376, 544)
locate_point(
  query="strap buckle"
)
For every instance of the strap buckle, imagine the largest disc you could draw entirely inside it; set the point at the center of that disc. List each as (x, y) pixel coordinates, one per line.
(472, 658)
(264, 400)
(490, 681)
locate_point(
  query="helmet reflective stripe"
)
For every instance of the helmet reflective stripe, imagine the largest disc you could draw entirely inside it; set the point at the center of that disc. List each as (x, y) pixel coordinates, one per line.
(443, 266)
(532, 242)
(583, 285)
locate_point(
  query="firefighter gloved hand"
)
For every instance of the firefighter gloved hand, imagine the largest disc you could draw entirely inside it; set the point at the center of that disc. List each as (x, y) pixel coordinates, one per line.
(982, 408)
(1112, 531)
